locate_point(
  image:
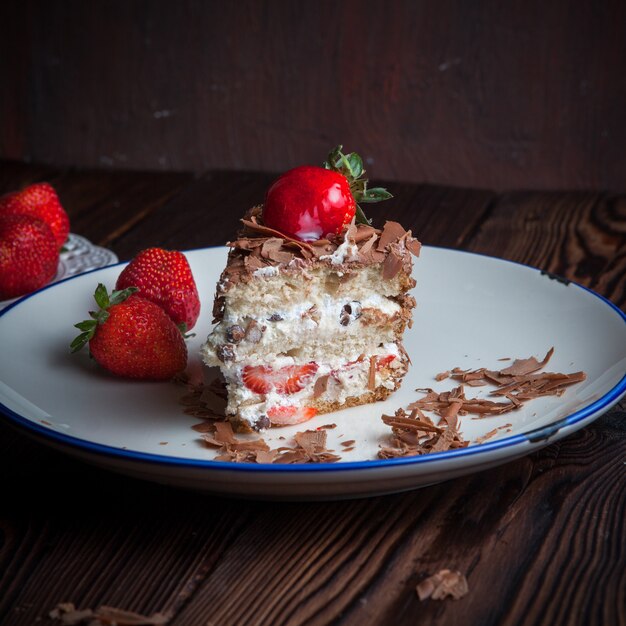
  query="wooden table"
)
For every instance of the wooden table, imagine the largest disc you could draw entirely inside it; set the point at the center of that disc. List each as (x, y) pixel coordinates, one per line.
(542, 539)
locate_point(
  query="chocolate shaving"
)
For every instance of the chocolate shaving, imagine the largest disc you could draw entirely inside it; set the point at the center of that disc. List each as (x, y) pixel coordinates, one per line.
(371, 378)
(368, 245)
(522, 367)
(443, 584)
(321, 384)
(68, 615)
(232, 449)
(253, 263)
(205, 401)
(489, 435)
(521, 381)
(253, 225)
(414, 434)
(518, 383)
(363, 232)
(413, 246)
(449, 403)
(392, 231)
(391, 265)
(310, 448)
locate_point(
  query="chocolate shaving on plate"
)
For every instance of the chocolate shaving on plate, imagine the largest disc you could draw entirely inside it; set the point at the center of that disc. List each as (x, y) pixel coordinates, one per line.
(310, 447)
(414, 435)
(445, 583)
(518, 383)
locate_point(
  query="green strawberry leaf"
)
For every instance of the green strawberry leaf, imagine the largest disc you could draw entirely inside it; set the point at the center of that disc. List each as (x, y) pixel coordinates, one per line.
(79, 342)
(119, 296)
(345, 167)
(183, 331)
(333, 158)
(101, 296)
(356, 164)
(360, 217)
(86, 326)
(376, 194)
(351, 166)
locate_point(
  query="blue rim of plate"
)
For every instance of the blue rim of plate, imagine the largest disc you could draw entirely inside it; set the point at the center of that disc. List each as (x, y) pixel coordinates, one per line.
(542, 433)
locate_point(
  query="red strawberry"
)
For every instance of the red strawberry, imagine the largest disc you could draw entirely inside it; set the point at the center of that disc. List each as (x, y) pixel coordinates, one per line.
(285, 415)
(311, 202)
(293, 378)
(41, 201)
(383, 361)
(132, 337)
(287, 380)
(29, 256)
(258, 378)
(164, 277)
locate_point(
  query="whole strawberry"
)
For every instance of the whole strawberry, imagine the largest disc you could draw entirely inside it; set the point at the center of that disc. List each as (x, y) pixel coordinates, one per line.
(132, 337)
(41, 201)
(310, 202)
(29, 256)
(164, 277)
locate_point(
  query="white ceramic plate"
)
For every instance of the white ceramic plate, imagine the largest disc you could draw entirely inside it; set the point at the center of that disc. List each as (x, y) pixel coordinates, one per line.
(472, 311)
(79, 255)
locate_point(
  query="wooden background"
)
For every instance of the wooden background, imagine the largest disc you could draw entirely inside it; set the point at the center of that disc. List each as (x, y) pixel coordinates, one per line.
(491, 94)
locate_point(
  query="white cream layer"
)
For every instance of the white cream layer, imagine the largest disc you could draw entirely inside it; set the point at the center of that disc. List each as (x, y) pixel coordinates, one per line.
(309, 328)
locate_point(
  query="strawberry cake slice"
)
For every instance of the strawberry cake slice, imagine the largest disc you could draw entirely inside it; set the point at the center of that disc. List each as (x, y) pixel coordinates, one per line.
(313, 302)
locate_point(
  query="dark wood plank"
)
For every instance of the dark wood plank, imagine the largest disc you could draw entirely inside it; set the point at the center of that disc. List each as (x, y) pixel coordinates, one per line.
(475, 94)
(581, 236)
(16, 175)
(93, 537)
(102, 205)
(207, 213)
(525, 537)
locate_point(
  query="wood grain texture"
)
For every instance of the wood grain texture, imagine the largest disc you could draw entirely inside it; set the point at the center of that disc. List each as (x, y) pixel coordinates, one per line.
(480, 94)
(207, 213)
(540, 539)
(581, 236)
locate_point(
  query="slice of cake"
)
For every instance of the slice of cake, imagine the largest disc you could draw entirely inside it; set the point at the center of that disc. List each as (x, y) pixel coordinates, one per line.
(309, 327)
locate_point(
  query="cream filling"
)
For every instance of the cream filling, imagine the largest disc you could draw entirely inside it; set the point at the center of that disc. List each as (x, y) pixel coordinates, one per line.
(344, 381)
(347, 251)
(312, 328)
